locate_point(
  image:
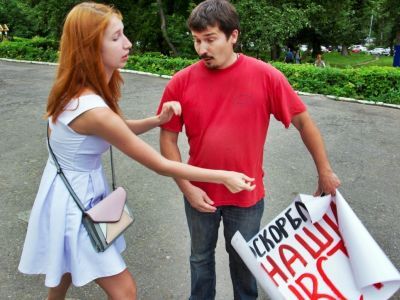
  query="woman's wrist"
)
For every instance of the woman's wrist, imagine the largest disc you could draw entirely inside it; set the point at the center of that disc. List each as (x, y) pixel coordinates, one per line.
(158, 120)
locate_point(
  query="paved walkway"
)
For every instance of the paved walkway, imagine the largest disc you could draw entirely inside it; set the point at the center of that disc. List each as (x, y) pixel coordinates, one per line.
(363, 142)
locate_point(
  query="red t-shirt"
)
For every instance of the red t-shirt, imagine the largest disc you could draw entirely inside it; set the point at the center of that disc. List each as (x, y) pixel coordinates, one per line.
(226, 116)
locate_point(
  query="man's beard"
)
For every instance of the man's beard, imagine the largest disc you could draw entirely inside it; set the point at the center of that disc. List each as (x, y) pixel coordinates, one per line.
(206, 62)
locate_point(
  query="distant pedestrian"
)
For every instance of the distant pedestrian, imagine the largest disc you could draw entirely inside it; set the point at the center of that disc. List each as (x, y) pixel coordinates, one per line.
(396, 57)
(319, 62)
(5, 29)
(289, 57)
(297, 57)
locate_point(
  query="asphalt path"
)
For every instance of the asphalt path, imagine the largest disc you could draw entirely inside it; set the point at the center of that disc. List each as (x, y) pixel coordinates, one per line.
(363, 143)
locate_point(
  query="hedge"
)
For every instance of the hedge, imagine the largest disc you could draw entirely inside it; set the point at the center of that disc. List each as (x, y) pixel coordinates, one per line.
(369, 83)
(380, 84)
(36, 49)
(157, 63)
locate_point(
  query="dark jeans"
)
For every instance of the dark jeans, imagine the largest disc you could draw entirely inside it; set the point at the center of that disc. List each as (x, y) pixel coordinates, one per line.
(203, 228)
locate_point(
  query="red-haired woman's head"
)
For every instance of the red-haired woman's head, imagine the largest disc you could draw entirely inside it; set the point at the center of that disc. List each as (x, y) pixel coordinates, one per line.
(81, 63)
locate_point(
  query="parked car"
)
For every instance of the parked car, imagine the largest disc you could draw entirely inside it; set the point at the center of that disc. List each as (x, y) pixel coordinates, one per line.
(303, 48)
(358, 48)
(324, 49)
(380, 51)
(386, 51)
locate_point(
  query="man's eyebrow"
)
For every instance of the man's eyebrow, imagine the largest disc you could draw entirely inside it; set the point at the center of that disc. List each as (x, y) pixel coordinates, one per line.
(207, 34)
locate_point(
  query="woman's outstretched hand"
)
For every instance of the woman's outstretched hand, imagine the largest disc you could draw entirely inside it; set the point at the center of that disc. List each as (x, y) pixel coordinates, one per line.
(236, 182)
(169, 109)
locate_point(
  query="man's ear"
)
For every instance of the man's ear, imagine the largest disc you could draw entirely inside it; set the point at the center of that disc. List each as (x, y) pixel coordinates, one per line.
(234, 36)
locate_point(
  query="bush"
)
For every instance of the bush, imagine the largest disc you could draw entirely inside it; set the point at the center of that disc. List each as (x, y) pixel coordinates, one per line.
(36, 49)
(157, 63)
(380, 84)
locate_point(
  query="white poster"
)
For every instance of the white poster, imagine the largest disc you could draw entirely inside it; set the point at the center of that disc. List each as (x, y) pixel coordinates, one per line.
(304, 254)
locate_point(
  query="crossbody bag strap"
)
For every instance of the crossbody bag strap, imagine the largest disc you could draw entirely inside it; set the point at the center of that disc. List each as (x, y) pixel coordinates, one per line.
(112, 169)
(64, 178)
(62, 175)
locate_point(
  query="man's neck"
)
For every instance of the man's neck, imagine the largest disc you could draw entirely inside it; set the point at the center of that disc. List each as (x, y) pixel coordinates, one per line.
(232, 59)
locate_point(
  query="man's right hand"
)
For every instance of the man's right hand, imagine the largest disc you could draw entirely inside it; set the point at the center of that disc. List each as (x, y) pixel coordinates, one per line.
(199, 200)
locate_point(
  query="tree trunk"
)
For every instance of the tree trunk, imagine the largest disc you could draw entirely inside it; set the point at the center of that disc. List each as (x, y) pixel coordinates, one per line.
(316, 48)
(164, 29)
(391, 47)
(344, 51)
(275, 52)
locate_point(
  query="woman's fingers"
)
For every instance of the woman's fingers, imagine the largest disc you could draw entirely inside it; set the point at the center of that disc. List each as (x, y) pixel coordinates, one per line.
(174, 106)
(241, 182)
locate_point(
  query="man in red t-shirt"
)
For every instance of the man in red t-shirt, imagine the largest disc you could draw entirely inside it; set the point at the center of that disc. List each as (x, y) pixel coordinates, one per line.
(227, 99)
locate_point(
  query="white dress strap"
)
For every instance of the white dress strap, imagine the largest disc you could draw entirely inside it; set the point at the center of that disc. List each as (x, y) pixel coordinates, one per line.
(78, 106)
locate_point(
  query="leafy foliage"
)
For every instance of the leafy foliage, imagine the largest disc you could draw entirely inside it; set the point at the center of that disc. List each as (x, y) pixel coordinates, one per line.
(158, 63)
(36, 49)
(266, 25)
(17, 16)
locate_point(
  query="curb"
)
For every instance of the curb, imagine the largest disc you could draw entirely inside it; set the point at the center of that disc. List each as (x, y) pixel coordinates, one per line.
(56, 64)
(145, 73)
(29, 62)
(336, 98)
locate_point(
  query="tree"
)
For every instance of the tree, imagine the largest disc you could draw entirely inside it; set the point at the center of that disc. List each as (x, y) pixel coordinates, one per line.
(339, 22)
(49, 15)
(164, 28)
(265, 26)
(18, 18)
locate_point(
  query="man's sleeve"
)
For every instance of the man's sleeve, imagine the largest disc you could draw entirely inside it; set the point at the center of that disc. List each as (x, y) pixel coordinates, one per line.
(284, 102)
(171, 93)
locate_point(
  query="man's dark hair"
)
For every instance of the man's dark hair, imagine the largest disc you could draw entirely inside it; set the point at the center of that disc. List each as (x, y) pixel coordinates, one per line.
(212, 13)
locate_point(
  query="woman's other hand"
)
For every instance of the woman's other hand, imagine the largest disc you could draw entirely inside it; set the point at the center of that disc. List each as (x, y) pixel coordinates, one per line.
(236, 182)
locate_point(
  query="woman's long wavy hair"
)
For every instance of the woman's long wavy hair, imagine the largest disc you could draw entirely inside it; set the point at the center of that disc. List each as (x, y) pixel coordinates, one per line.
(80, 62)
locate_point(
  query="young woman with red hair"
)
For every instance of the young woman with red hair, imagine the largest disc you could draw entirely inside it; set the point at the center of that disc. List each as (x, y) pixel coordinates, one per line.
(85, 118)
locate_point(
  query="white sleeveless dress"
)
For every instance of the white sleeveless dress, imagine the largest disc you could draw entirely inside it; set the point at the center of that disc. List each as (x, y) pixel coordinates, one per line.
(56, 242)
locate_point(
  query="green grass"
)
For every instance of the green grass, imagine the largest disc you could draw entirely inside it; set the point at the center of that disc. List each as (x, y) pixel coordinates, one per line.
(353, 60)
(383, 61)
(356, 60)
